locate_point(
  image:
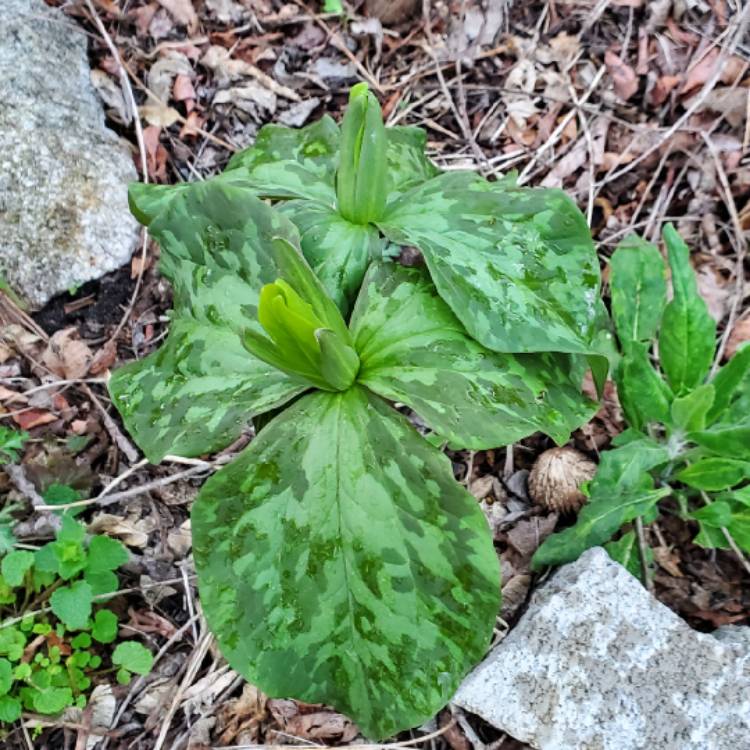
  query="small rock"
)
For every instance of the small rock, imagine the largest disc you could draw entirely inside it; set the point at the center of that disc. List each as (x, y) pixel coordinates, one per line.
(64, 215)
(597, 663)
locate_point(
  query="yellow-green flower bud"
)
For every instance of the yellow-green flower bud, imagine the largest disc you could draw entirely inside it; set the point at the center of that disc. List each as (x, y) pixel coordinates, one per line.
(361, 180)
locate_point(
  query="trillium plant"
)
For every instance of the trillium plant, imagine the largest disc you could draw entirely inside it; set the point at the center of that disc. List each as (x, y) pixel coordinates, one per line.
(338, 559)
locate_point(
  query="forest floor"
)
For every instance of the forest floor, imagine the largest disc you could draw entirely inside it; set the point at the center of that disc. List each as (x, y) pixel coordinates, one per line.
(639, 110)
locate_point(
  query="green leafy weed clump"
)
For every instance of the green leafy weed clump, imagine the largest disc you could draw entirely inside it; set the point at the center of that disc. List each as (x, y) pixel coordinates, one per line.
(51, 623)
(689, 426)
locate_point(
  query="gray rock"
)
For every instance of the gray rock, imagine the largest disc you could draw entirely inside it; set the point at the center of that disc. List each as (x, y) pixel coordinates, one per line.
(598, 663)
(64, 216)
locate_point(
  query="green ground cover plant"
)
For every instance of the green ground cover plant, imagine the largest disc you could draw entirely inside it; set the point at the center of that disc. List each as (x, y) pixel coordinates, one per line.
(53, 623)
(338, 559)
(689, 423)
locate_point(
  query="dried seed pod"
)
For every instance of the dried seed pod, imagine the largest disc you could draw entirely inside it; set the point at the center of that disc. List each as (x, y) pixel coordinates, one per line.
(556, 478)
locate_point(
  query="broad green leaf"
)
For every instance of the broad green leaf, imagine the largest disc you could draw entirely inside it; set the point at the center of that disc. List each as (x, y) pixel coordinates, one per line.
(338, 561)
(621, 491)
(195, 394)
(599, 519)
(6, 676)
(290, 162)
(11, 444)
(726, 513)
(714, 474)
(72, 604)
(689, 412)
(638, 288)
(101, 581)
(727, 383)
(414, 350)
(625, 551)
(516, 265)
(10, 709)
(338, 251)
(644, 396)
(687, 337)
(15, 565)
(407, 164)
(333, 6)
(133, 656)
(104, 629)
(52, 700)
(105, 554)
(729, 440)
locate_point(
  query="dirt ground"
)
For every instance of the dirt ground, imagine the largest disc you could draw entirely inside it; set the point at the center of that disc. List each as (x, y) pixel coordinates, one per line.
(640, 110)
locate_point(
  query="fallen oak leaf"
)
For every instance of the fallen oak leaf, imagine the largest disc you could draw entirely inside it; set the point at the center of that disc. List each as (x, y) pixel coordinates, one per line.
(66, 355)
(623, 76)
(27, 419)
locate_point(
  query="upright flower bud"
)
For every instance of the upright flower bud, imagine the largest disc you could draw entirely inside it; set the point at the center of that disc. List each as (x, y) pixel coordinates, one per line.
(362, 174)
(306, 335)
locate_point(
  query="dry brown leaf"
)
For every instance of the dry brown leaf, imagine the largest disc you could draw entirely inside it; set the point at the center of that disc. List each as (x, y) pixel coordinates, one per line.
(714, 290)
(183, 89)
(66, 355)
(28, 419)
(240, 719)
(623, 76)
(183, 12)
(730, 101)
(104, 358)
(131, 531)
(392, 11)
(7, 396)
(669, 560)
(662, 88)
(705, 68)
(739, 335)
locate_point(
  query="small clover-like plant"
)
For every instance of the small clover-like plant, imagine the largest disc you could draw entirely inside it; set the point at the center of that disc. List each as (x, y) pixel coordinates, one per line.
(48, 658)
(338, 560)
(11, 444)
(689, 428)
(516, 265)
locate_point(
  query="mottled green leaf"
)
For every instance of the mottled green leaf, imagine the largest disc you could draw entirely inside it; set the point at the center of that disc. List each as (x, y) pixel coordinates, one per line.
(638, 288)
(407, 164)
(727, 383)
(196, 393)
(644, 396)
(339, 561)
(726, 439)
(338, 251)
(689, 411)
(291, 162)
(687, 337)
(516, 265)
(414, 350)
(714, 474)
(621, 491)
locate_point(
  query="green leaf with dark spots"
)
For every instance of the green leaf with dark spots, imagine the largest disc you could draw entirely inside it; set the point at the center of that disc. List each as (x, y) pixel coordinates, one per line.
(198, 391)
(407, 164)
(714, 474)
(638, 288)
(516, 265)
(337, 555)
(414, 350)
(291, 162)
(338, 251)
(687, 337)
(689, 412)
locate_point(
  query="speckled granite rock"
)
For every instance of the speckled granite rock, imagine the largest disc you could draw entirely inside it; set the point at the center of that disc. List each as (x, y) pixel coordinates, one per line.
(63, 175)
(598, 663)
